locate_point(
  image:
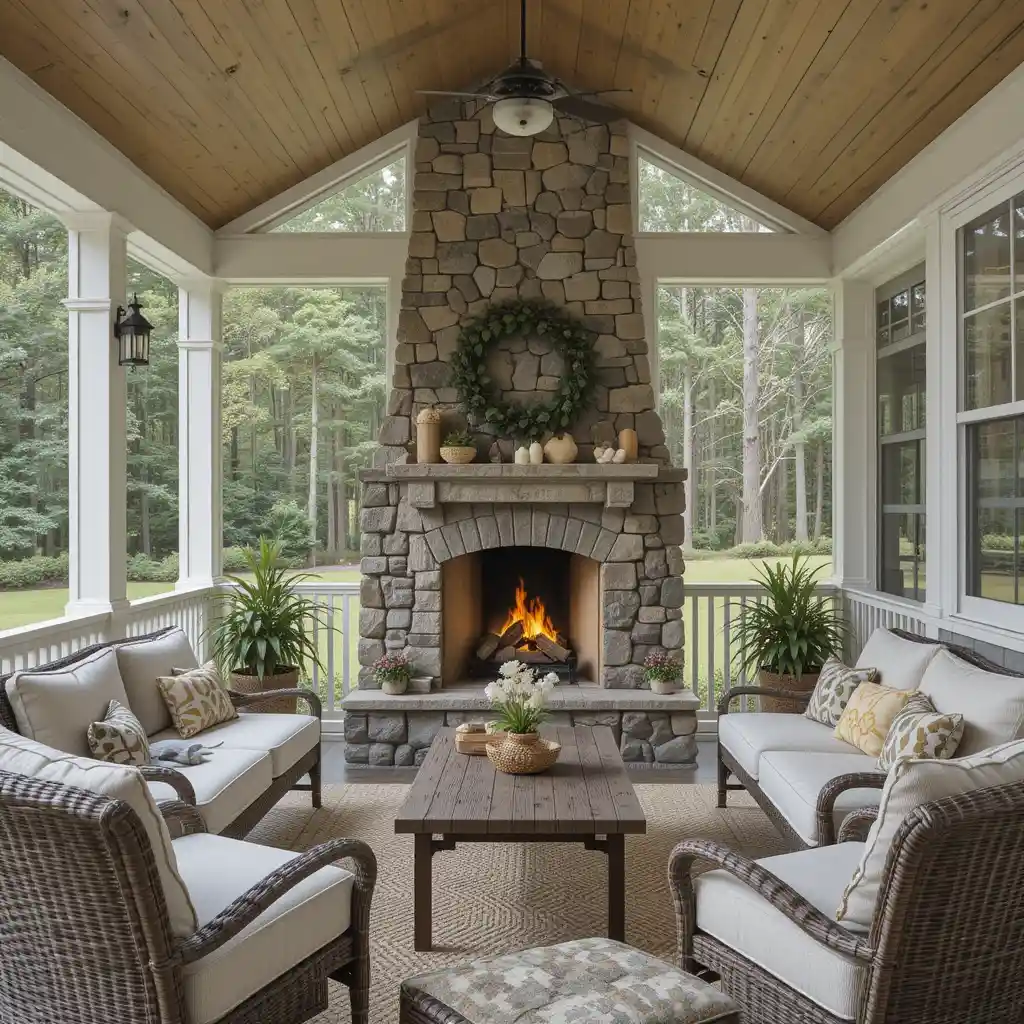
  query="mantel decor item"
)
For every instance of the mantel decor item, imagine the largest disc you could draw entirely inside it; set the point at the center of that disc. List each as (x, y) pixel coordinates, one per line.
(560, 449)
(519, 703)
(662, 672)
(458, 448)
(787, 635)
(393, 672)
(532, 319)
(261, 638)
(428, 436)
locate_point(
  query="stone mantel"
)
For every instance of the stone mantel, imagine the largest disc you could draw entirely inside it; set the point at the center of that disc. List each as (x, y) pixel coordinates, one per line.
(428, 485)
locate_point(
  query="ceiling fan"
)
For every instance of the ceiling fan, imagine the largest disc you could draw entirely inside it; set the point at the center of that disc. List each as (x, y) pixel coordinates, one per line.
(525, 96)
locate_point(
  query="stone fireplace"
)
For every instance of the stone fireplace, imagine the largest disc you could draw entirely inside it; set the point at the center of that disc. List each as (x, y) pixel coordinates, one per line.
(444, 546)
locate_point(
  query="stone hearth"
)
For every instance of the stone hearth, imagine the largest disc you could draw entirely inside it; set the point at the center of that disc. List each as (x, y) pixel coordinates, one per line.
(498, 218)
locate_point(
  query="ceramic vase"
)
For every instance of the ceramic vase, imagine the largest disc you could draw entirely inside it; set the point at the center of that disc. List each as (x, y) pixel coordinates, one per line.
(536, 453)
(522, 456)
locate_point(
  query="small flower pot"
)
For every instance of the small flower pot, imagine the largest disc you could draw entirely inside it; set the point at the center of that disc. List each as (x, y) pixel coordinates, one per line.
(458, 455)
(395, 687)
(664, 686)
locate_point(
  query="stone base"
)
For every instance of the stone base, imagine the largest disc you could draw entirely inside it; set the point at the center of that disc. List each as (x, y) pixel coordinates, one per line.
(385, 732)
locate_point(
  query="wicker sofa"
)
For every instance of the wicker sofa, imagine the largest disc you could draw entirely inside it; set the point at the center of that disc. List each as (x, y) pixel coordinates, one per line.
(258, 757)
(807, 780)
(106, 941)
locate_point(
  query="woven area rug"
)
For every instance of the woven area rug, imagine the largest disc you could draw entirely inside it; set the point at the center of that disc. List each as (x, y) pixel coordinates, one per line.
(502, 897)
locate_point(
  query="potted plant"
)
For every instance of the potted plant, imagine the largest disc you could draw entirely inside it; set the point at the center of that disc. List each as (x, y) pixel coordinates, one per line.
(519, 701)
(662, 672)
(393, 672)
(789, 634)
(263, 636)
(458, 447)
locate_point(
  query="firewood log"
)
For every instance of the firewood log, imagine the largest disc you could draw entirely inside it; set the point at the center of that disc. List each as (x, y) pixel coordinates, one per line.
(488, 645)
(512, 635)
(555, 651)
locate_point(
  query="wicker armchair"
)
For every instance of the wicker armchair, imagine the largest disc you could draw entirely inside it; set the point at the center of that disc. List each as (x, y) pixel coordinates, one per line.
(84, 930)
(944, 945)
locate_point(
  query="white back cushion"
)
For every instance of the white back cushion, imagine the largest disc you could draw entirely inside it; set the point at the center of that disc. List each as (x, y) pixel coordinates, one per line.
(117, 781)
(912, 782)
(142, 662)
(992, 705)
(900, 663)
(57, 707)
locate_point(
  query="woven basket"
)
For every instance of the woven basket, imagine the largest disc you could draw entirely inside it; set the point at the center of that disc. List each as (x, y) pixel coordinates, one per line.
(774, 681)
(523, 753)
(458, 455)
(244, 683)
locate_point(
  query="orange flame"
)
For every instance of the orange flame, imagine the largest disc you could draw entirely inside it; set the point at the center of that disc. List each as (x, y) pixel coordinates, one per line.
(532, 614)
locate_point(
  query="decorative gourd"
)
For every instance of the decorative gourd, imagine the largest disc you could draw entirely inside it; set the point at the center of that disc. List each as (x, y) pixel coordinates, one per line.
(628, 442)
(607, 455)
(536, 454)
(522, 456)
(561, 450)
(619, 456)
(599, 451)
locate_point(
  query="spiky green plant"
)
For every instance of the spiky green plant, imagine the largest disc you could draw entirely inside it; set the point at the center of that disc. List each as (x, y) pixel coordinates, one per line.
(265, 626)
(792, 629)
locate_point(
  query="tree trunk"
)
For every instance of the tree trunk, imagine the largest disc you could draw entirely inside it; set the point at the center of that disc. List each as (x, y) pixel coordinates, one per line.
(782, 502)
(711, 468)
(689, 488)
(819, 495)
(314, 427)
(753, 523)
(144, 528)
(800, 469)
(332, 525)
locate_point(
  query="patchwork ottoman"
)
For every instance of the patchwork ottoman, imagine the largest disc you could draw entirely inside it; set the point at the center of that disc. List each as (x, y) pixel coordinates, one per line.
(596, 981)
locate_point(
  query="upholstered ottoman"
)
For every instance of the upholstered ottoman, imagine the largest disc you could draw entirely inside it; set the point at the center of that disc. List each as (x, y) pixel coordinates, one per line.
(596, 981)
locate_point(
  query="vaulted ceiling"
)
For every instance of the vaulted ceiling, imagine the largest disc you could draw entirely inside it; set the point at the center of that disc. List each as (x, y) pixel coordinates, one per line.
(225, 103)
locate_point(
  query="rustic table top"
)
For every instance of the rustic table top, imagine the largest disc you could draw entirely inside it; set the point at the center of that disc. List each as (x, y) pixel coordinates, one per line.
(587, 791)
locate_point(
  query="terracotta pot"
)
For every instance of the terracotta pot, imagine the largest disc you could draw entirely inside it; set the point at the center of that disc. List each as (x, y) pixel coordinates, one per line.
(287, 680)
(803, 684)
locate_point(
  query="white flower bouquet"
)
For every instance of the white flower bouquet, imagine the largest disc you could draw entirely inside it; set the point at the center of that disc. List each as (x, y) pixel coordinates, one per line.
(519, 698)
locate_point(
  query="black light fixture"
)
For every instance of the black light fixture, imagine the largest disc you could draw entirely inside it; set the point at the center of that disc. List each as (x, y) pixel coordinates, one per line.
(132, 331)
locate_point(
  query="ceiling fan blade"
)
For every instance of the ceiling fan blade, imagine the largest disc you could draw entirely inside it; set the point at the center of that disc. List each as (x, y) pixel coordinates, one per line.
(576, 106)
(444, 92)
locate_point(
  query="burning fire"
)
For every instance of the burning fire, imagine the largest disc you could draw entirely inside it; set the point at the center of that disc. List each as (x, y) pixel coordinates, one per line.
(532, 614)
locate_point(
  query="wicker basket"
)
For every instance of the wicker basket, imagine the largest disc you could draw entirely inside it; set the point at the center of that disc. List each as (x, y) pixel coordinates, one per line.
(523, 753)
(774, 681)
(245, 683)
(458, 455)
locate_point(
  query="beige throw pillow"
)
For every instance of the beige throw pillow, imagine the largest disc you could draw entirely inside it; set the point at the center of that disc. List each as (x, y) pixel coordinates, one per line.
(835, 686)
(142, 662)
(866, 720)
(920, 731)
(119, 738)
(196, 700)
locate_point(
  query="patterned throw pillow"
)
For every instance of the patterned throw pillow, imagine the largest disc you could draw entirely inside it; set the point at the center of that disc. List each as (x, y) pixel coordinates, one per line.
(119, 738)
(866, 720)
(833, 690)
(196, 700)
(921, 731)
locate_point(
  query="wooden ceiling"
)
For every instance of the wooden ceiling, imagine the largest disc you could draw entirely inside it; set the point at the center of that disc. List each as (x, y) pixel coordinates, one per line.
(815, 103)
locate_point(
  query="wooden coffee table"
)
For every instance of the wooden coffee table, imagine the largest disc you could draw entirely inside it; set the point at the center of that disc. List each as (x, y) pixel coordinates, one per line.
(585, 798)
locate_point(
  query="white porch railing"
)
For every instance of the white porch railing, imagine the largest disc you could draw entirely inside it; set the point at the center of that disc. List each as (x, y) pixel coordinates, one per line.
(336, 634)
(865, 611)
(189, 609)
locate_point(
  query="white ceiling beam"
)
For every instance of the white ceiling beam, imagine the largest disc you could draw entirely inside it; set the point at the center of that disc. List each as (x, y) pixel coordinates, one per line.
(55, 160)
(310, 258)
(983, 141)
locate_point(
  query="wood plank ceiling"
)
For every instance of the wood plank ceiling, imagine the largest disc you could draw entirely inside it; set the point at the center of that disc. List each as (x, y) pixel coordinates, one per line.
(815, 103)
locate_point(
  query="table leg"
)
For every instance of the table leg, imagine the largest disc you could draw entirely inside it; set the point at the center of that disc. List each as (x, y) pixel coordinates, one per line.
(616, 849)
(422, 892)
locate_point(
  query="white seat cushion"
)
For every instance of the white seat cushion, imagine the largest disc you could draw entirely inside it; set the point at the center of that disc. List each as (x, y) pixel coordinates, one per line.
(23, 756)
(747, 735)
(992, 705)
(225, 785)
(55, 707)
(911, 783)
(900, 663)
(733, 913)
(219, 870)
(142, 662)
(792, 780)
(285, 737)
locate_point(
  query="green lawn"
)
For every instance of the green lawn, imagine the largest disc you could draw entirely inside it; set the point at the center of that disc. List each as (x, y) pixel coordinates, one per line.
(23, 607)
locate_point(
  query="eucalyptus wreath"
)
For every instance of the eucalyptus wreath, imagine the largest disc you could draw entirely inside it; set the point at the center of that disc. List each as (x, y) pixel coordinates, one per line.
(516, 318)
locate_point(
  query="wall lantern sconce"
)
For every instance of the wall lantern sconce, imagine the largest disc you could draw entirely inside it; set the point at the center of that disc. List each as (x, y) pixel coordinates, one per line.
(132, 331)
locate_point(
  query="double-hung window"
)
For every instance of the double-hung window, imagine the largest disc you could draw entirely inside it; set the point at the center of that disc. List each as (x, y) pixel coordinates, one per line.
(900, 388)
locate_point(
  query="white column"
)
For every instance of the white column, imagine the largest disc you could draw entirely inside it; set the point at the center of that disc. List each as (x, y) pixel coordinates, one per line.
(97, 445)
(853, 442)
(200, 447)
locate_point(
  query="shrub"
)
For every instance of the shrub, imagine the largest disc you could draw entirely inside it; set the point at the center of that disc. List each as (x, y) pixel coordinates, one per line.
(31, 572)
(288, 526)
(145, 569)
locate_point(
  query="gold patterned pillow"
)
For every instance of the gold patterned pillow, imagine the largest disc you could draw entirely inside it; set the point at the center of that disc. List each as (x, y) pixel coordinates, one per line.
(921, 731)
(832, 692)
(119, 738)
(196, 700)
(866, 720)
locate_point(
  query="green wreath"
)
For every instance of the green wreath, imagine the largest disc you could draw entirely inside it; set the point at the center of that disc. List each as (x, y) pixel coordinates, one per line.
(511, 319)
